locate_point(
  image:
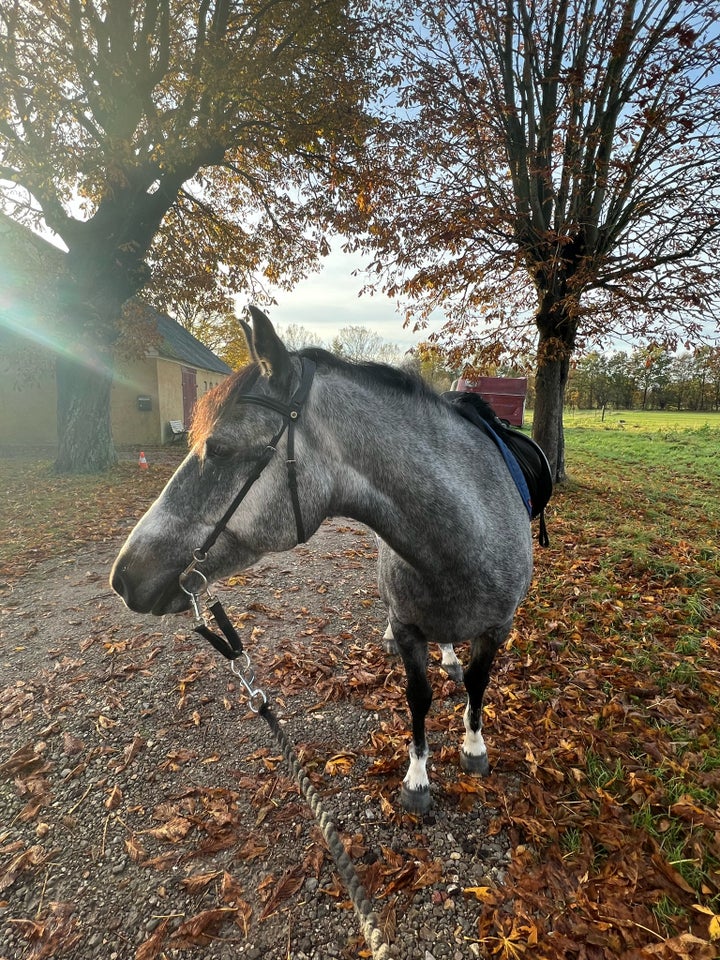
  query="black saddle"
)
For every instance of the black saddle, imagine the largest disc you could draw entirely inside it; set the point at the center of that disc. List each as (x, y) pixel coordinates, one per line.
(529, 456)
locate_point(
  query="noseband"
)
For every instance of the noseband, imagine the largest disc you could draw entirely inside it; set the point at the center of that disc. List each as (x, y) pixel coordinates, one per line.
(290, 412)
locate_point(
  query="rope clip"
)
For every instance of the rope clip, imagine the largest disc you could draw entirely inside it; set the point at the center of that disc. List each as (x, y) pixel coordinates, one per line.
(246, 675)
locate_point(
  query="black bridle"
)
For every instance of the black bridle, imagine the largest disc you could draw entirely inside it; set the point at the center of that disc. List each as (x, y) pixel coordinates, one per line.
(231, 646)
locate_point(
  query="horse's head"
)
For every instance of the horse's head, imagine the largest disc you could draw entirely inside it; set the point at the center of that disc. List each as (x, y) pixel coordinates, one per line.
(232, 428)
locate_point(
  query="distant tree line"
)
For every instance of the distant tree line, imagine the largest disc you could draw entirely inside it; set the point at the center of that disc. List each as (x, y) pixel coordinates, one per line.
(356, 343)
(222, 333)
(649, 378)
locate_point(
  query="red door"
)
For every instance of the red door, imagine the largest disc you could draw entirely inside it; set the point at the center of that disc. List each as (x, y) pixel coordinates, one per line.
(189, 394)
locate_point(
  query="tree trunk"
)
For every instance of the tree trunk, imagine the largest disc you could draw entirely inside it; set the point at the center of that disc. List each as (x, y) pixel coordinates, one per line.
(85, 443)
(553, 365)
(91, 292)
(87, 315)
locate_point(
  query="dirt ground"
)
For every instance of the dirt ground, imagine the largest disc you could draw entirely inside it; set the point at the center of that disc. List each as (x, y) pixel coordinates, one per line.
(145, 812)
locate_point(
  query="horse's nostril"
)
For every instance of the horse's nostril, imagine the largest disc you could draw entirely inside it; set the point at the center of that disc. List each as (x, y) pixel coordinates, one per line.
(118, 583)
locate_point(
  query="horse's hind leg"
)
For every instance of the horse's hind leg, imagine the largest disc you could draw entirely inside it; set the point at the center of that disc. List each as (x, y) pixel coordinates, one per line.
(389, 645)
(415, 793)
(473, 753)
(450, 663)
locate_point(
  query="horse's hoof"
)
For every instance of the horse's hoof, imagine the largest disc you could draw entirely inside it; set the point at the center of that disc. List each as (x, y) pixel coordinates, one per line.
(390, 647)
(415, 801)
(454, 671)
(476, 764)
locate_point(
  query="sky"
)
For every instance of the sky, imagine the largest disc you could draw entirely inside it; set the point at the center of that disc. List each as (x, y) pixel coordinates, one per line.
(327, 301)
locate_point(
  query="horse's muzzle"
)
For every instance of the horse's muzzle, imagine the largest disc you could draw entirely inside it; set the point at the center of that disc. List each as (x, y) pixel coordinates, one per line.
(143, 596)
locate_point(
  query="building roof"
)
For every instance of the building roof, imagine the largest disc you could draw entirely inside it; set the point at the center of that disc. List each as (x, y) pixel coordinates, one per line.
(17, 241)
(179, 344)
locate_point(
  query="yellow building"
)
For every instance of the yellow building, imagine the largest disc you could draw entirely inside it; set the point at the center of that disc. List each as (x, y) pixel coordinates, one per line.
(147, 394)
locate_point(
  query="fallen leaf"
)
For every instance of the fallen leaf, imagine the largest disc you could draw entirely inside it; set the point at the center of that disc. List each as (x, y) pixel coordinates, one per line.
(34, 856)
(198, 882)
(485, 894)
(114, 798)
(129, 753)
(286, 887)
(340, 764)
(427, 875)
(135, 850)
(230, 889)
(200, 929)
(150, 949)
(252, 849)
(71, 744)
(174, 830)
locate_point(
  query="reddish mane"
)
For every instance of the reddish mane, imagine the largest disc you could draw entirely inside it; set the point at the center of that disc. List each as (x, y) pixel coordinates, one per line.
(211, 405)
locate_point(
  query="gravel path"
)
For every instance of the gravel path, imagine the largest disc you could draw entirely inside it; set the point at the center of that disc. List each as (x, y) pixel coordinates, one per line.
(144, 812)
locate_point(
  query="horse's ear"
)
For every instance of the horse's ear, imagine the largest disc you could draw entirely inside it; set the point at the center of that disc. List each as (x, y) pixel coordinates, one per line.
(267, 348)
(247, 330)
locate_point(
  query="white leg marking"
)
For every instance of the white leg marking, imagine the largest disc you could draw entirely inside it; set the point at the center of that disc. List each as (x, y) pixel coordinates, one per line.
(450, 663)
(449, 658)
(473, 744)
(389, 645)
(416, 778)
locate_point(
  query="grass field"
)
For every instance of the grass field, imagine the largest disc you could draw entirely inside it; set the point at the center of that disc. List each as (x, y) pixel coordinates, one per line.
(604, 710)
(642, 421)
(44, 515)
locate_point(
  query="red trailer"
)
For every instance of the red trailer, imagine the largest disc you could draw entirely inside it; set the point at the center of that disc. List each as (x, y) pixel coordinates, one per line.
(506, 395)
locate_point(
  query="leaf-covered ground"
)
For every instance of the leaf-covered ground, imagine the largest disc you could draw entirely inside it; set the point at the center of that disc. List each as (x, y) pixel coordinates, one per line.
(613, 696)
(45, 515)
(602, 723)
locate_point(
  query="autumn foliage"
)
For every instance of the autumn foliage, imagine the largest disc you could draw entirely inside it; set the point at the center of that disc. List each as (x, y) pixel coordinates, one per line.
(546, 179)
(194, 143)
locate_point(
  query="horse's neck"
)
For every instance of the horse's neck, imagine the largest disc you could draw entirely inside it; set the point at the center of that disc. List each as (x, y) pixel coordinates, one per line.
(390, 457)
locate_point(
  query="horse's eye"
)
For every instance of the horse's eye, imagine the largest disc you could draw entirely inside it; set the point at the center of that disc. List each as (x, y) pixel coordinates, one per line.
(217, 451)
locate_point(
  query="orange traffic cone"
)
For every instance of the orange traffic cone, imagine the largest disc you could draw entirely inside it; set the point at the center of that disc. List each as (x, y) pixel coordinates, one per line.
(142, 462)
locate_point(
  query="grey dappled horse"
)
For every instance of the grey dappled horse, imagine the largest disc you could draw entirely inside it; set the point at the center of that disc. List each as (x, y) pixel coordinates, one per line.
(374, 444)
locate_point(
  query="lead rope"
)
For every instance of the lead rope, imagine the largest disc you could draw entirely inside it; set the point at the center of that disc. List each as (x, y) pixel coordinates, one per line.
(230, 646)
(361, 904)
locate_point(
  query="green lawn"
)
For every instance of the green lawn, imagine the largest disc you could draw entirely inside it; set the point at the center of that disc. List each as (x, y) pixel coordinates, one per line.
(642, 421)
(622, 629)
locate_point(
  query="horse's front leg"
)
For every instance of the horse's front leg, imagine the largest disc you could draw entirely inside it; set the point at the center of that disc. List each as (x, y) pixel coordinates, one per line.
(473, 753)
(413, 648)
